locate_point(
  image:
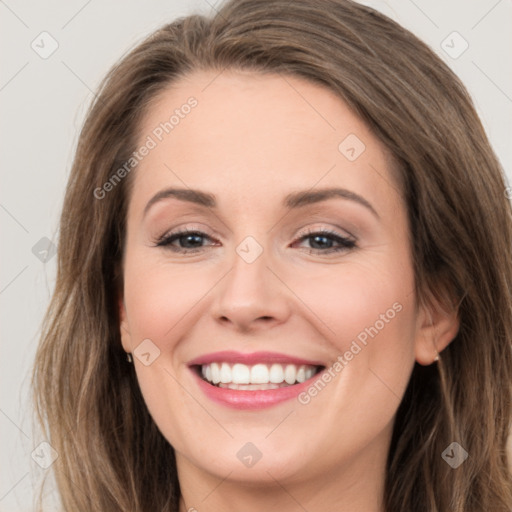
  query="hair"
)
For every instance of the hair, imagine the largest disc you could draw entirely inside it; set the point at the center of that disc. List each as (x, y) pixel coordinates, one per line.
(88, 403)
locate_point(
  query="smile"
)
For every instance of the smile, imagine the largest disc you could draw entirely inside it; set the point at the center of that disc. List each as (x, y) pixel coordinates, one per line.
(253, 381)
(256, 377)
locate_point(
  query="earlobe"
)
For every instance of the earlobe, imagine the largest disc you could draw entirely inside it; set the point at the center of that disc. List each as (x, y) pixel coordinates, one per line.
(436, 330)
(126, 340)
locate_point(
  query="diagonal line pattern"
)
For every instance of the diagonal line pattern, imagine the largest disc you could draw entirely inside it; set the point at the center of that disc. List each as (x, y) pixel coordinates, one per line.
(216, 487)
(76, 14)
(13, 279)
(283, 77)
(198, 301)
(12, 488)
(213, 79)
(78, 77)
(14, 423)
(486, 14)
(280, 423)
(424, 14)
(286, 491)
(300, 299)
(14, 14)
(198, 402)
(14, 76)
(399, 399)
(14, 218)
(214, 8)
(492, 81)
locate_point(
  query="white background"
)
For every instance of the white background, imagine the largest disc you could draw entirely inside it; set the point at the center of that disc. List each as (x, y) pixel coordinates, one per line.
(43, 102)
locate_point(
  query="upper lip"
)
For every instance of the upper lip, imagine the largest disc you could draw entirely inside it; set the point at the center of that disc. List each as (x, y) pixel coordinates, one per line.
(230, 356)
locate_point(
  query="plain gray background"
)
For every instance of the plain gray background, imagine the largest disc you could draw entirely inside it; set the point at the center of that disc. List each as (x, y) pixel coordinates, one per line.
(43, 99)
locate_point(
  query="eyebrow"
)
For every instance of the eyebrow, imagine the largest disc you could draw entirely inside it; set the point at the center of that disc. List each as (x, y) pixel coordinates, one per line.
(293, 200)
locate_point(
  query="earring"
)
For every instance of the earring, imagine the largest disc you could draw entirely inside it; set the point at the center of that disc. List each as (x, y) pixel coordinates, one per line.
(129, 357)
(436, 358)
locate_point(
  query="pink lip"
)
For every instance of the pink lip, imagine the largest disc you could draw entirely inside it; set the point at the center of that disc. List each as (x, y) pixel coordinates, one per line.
(251, 400)
(229, 356)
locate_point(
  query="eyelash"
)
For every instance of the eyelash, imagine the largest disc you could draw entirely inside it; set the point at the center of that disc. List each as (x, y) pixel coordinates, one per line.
(345, 243)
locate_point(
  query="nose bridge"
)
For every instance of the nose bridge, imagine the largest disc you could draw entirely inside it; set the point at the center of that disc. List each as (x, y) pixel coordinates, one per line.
(250, 291)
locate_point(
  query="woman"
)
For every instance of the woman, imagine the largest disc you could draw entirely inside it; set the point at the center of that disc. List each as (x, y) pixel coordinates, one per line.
(338, 334)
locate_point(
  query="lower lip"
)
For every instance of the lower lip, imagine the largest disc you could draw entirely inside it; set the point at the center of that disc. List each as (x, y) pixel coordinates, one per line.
(258, 399)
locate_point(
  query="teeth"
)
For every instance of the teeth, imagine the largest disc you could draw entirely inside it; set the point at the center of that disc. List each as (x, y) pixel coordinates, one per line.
(289, 374)
(258, 376)
(225, 373)
(240, 374)
(276, 374)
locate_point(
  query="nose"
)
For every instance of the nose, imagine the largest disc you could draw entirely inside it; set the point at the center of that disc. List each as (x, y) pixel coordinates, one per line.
(252, 296)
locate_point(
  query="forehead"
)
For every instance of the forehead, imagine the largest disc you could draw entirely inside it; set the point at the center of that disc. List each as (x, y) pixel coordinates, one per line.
(255, 134)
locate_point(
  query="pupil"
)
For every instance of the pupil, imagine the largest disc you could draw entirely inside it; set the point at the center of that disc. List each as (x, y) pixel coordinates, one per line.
(191, 237)
(319, 237)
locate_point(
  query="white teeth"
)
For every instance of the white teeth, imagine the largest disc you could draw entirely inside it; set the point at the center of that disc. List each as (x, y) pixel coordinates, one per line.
(250, 387)
(276, 374)
(225, 373)
(290, 373)
(215, 373)
(240, 374)
(258, 376)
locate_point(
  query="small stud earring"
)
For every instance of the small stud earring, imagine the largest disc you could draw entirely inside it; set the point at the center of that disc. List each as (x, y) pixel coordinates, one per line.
(129, 357)
(436, 358)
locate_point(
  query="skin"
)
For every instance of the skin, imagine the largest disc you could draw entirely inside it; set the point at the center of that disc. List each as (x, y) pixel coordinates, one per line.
(250, 141)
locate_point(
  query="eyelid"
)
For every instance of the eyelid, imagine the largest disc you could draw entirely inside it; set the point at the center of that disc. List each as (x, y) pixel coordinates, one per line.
(345, 243)
(302, 232)
(189, 228)
(342, 233)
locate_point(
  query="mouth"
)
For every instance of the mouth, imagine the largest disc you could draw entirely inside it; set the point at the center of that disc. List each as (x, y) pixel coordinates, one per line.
(253, 381)
(257, 377)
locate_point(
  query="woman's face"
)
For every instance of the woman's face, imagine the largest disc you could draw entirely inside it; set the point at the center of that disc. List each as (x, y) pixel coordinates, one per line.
(259, 296)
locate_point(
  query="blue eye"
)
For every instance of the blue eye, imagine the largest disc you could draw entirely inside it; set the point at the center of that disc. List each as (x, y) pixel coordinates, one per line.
(325, 239)
(190, 241)
(184, 237)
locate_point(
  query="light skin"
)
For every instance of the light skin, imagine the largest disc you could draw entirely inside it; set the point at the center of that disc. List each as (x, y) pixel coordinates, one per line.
(250, 141)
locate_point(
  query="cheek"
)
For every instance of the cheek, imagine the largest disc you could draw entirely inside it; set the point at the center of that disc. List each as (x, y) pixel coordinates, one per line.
(159, 297)
(362, 301)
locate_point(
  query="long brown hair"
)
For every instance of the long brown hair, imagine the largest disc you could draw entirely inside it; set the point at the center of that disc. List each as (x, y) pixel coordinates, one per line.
(112, 457)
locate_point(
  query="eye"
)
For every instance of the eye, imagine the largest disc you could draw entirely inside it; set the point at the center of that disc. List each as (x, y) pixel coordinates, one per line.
(324, 239)
(189, 240)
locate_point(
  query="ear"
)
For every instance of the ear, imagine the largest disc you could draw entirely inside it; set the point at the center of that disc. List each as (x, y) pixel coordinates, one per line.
(126, 339)
(438, 324)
